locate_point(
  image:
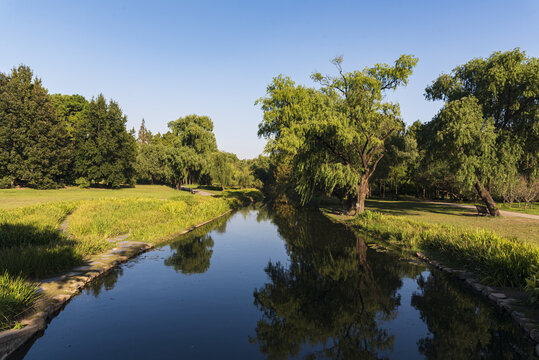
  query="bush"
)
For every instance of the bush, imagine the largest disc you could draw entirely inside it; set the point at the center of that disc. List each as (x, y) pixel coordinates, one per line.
(5, 183)
(83, 183)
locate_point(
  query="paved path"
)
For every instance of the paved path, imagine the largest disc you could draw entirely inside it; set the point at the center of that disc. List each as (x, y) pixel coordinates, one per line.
(502, 212)
(197, 192)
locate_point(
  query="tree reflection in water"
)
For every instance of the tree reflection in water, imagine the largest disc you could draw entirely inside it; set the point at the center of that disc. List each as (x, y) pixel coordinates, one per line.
(105, 282)
(333, 298)
(329, 297)
(461, 326)
(193, 250)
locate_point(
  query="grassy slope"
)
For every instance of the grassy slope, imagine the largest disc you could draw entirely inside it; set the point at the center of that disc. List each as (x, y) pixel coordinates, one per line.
(31, 243)
(521, 228)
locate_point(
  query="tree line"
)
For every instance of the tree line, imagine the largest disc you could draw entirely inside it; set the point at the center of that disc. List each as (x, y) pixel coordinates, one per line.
(49, 141)
(345, 139)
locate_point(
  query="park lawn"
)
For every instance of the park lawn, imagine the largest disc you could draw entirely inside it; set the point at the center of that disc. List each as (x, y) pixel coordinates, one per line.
(11, 198)
(534, 210)
(515, 208)
(33, 246)
(511, 227)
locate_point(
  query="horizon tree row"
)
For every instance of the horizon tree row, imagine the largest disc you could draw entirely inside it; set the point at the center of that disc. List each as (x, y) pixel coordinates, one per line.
(49, 141)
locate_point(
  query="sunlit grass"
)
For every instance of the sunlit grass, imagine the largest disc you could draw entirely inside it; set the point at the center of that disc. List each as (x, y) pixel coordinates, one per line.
(16, 295)
(143, 219)
(441, 214)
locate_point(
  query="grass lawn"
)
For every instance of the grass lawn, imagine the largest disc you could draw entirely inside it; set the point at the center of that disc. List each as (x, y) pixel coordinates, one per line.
(10, 198)
(521, 228)
(514, 208)
(33, 246)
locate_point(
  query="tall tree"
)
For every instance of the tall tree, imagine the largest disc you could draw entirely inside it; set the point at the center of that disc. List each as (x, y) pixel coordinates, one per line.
(105, 151)
(69, 108)
(144, 135)
(34, 146)
(467, 141)
(195, 132)
(506, 85)
(222, 169)
(338, 132)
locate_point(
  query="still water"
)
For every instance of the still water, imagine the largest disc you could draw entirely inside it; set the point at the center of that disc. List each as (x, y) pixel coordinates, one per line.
(276, 283)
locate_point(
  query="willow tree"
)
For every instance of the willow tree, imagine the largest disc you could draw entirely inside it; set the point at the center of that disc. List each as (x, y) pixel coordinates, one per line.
(467, 142)
(337, 132)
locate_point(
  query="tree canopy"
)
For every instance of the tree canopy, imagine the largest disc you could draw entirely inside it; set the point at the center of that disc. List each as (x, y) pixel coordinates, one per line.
(336, 134)
(34, 146)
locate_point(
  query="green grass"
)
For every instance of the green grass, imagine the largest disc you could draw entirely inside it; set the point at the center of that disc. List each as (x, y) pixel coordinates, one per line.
(515, 208)
(32, 245)
(498, 260)
(439, 214)
(147, 220)
(11, 198)
(16, 296)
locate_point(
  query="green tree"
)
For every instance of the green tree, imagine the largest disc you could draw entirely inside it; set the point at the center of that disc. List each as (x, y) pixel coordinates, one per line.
(336, 134)
(34, 145)
(180, 163)
(69, 108)
(506, 86)
(222, 169)
(105, 151)
(196, 132)
(151, 163)
(144, 135)
(467, 141)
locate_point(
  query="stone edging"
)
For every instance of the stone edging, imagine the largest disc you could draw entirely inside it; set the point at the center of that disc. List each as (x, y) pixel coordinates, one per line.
(63, 288)
(500, 299)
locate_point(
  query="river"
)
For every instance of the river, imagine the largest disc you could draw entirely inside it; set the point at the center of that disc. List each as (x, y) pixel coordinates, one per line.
(276, 283)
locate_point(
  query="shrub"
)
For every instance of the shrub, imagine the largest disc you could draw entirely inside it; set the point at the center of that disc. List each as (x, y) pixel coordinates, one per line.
(83, 183)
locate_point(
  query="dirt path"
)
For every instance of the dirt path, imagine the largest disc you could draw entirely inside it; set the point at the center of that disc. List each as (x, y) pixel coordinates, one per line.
(502, 212)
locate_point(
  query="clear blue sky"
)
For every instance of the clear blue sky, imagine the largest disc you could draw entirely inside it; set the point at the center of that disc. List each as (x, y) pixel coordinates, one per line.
(164, 59)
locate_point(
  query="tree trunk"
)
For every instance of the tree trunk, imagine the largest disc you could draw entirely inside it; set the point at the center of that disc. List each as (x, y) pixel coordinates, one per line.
(178, 185)
(487, 199)
(362, 194)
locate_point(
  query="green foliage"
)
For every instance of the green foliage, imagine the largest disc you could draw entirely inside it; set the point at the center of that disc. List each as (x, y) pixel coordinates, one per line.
(335, 135)
(34, 148)
(222, 169)
(83, 183)
(498, 260)
(466, 140)
(105, 152)
(196, 132)
(505, 85)
(69, 108)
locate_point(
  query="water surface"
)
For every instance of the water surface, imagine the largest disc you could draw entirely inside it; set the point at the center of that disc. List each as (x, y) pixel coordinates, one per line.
(277, 283)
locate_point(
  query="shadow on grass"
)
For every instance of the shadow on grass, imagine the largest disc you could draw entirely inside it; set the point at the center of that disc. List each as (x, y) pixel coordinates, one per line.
(410, 208)
(35, 252)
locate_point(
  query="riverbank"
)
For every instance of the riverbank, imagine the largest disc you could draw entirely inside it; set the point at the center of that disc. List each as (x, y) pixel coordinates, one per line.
(53, 238)
(495, 266)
